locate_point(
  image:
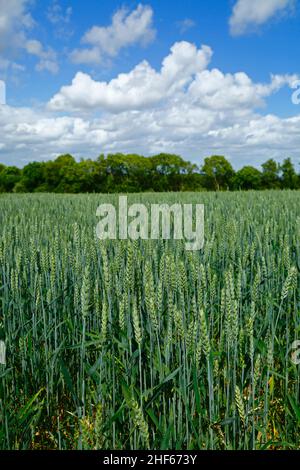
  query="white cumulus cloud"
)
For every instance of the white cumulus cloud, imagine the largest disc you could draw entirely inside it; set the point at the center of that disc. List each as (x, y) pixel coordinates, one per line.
(14, 21)
(126, 30)
(243, 136)
(140, 88)
(16, 25)
(48, 57)
(185, 108)
(252, 13)
(184, 77)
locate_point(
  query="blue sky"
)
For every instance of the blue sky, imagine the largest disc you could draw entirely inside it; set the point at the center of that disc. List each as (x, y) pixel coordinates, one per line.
(61, 61)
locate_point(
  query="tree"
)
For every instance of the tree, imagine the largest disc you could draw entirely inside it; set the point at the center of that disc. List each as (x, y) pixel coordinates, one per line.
(57, 171)
(90, 178)
(125, 173)
(248, 178)
(9, 177)
(119, 172)
(289, 177)
(270, 176)
(33, 177)
(169, 171)
(218, 173)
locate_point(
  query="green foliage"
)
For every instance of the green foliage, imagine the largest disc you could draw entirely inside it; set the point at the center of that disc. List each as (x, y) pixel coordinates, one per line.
(9, 177)
(289, 178)
(270, 175)
(248, 178)
(119, 173)
(218, 172)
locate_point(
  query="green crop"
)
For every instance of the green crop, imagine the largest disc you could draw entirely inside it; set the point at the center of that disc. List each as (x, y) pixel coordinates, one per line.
(141, 344)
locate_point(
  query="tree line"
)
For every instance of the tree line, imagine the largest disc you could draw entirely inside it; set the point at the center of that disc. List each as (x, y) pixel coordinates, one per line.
(117, 173)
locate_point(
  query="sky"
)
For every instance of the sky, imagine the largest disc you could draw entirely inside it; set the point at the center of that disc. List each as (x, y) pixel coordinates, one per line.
(190, 77)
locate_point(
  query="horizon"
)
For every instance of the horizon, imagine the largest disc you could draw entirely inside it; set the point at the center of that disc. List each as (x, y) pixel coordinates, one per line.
(198, 163)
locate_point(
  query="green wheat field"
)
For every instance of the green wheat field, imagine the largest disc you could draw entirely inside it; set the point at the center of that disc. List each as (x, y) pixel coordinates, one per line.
(143, 345)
